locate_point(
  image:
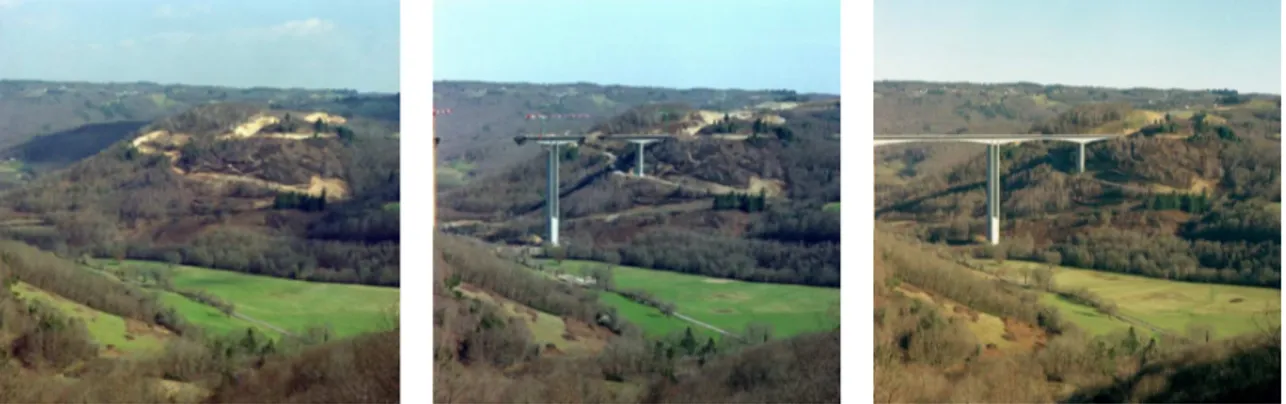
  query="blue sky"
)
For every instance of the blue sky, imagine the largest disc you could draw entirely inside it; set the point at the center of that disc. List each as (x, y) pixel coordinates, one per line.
(749, 44)
(1136, 43)
(349, 44)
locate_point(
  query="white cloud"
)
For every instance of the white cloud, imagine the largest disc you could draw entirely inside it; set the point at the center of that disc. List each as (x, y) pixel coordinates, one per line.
(173, 38)
(297, 30)
(10, 4)
(164, 11)
(45, 22)
(302, 28)
(168, 11)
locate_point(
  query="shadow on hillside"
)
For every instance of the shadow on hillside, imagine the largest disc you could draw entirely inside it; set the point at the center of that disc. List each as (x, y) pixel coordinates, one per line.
(1056, 162)
(60, 149)
(1250, 376)
(916, 201)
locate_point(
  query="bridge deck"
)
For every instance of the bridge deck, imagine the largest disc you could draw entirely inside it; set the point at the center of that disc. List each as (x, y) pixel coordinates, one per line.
(991, 138)
(975, 136)
(565, 138)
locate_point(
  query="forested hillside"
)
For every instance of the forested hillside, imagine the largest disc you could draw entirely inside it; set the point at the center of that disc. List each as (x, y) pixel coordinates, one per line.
(745, 200)
(52, 355)
(484, 355)
(477, 135)
(1191, 193)
(302, 193)
(946, 332)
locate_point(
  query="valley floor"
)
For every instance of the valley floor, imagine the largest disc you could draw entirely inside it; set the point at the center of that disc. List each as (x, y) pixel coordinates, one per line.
(1163, 306)
(285, 305)
(272, 306)
(721, 306)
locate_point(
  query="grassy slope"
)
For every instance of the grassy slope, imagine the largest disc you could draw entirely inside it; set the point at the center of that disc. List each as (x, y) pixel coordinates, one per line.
(545, 328)
(727, 304)
(454, 173)
(652, 321)
(202, 315)
(1167, 304)
(294, 305)
(124, 336)
(988, 328)
(649, 319)
(209, 318)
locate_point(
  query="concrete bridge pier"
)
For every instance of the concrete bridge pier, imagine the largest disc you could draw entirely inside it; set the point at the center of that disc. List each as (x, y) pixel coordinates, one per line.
(993, 143)
(642, 143)
(552, 143)
(551, 188)
(993, 194)
(1080, 157)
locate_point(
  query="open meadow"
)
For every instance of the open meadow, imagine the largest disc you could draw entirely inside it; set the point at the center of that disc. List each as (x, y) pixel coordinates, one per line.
(1170, 305)
(724, 303)
(288, 304)
(116, 336)
(210, 319)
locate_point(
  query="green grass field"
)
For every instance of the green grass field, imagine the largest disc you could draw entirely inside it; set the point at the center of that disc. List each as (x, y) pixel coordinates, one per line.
(1087, 318)
(290, 304)
(655, 323)
(129, 337)
(724, 303)
(455, 173)
(210, 319)
(1171, 305)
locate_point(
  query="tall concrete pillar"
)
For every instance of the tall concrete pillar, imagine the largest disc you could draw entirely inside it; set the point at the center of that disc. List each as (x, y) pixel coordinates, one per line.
(640, 162)
(1080, 158)
(551, 194)
(642, 143)
(993, 194)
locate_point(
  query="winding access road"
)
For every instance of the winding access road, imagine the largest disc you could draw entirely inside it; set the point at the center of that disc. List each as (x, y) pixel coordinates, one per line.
(711, 327)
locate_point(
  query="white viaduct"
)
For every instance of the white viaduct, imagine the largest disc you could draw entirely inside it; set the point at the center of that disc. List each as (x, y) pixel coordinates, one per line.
(552, 142)
(993, 143)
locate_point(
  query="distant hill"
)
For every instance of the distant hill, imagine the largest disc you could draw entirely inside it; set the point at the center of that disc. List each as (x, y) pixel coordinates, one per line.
(486, 116)
(293, 193)
(1192, 192)
(33, 108)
